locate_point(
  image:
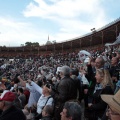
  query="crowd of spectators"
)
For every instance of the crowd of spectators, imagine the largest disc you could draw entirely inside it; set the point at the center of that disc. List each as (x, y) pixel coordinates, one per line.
(53, 87)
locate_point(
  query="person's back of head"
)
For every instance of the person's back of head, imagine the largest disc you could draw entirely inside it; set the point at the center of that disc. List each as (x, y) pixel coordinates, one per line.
(7, 99)
(65, 70)
(20, 90)
(47, 111)
(71, 111)
(75, 72)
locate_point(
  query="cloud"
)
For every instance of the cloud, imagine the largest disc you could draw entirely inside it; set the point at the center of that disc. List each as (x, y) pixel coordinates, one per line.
(15, 33)
(75, 17)
(72, 18)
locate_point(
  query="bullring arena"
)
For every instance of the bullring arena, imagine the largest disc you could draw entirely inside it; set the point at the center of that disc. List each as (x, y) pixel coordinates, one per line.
(95, 40)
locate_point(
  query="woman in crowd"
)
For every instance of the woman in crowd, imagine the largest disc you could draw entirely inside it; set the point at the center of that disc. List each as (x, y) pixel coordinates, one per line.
(104, 85)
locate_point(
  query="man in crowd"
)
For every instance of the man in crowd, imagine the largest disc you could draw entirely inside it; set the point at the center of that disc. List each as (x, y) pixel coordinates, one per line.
(114, 70)
(47, 112)
(71, 111)
(9, 111)
(66, 91)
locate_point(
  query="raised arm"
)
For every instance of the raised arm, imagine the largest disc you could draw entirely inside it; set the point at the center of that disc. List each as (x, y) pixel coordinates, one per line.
(23, 83)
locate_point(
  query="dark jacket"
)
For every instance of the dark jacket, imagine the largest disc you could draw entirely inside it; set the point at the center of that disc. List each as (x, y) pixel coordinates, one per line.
(91, 79)
(12, 113)
(66, 90)
(114, 71)
(47, 118)
(99, 106)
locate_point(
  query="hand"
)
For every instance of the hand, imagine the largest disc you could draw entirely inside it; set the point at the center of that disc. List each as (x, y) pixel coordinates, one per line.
(90, 58)
(29, 81)
(90, 104)
(18, 77)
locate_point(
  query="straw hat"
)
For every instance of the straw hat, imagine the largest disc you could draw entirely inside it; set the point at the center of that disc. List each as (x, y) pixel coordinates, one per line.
(113, 101)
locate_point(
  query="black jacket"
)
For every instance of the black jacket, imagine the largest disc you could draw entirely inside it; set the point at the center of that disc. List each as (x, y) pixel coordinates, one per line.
(67, 90)
(47, 118)
(12, 113)
(99, 106)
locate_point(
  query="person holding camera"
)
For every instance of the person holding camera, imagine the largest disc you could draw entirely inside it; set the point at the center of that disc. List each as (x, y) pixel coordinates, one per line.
(45, 98)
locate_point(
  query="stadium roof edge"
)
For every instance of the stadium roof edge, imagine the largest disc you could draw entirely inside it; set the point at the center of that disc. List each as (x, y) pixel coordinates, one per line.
(102, 28)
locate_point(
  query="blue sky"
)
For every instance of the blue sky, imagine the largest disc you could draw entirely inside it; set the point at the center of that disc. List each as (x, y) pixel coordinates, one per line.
(33, 20)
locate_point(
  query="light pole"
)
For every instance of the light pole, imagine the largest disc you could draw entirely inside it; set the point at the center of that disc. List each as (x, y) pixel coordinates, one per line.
(93, 30)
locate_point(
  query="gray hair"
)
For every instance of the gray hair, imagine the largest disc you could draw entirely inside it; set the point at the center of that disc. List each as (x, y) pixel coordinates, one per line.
(66, 70)
(73, 110)
(102, 61)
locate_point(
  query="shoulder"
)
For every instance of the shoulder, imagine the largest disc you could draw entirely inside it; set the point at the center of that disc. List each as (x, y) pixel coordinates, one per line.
(107, 90)
(13, 113)
(107, 87)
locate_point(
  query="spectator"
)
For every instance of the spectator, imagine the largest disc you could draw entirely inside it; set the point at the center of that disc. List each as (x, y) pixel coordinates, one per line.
(114, 70)
(34, 95)
(10, 112)
(113, 102)
(21, 97)
(66, 91)
(118, 54)
(45, 98)
(74, 76)
(71, 111)
(47, 112)
(2, 84)
(104, 86)
(99, 63)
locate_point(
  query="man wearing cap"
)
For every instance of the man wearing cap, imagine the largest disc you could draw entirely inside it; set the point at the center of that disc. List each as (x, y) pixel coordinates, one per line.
(9, 111)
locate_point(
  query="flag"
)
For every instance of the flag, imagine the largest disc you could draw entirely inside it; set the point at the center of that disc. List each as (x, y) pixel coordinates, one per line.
(83, 55)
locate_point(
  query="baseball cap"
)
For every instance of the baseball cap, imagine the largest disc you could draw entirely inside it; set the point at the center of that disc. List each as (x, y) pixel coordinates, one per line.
(7, 96)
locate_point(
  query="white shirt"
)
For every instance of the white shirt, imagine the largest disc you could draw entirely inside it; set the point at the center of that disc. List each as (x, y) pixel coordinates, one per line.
(42, 100)
(34, 95)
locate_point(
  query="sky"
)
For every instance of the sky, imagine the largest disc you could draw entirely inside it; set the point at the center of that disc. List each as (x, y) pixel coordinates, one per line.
(24, 21)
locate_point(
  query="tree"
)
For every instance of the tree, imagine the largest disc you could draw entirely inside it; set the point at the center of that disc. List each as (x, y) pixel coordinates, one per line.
(28, 44)
(32, 44)
(35, 44)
